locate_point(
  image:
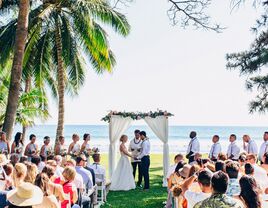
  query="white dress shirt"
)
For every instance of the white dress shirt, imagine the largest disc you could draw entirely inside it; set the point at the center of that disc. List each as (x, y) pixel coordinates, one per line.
(135, 148)
(215, 150)
(263, 150)
(234, 150)
(145, 148)
(193, 146)
(195, 197)
(98, 169)
(251, 147)
(260, 176)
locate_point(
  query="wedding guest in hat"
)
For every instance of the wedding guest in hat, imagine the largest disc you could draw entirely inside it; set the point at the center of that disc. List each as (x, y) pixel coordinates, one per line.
(25, 195)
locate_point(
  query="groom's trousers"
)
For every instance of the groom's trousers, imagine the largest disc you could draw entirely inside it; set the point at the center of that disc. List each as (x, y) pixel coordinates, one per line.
(134, 165)
(145, 164)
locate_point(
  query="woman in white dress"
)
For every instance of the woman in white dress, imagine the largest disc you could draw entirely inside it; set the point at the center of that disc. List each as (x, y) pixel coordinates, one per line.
(122, 178)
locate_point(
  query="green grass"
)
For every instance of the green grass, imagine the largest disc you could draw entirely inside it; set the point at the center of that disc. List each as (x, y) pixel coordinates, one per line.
(154, 198)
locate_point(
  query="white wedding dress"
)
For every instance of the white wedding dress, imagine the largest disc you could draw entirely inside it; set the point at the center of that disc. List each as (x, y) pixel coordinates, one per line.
(122, 178)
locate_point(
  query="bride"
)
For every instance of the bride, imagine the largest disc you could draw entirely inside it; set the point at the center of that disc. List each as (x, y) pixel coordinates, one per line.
(122, 178)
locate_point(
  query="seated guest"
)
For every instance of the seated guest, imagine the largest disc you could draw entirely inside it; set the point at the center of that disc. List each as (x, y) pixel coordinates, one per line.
(86, 174)
(14, 159)
(98, 168)
(68, 187)
(233, 149)
(265, 162)
(222, 156)
(260, 174)
(56, 189)
(215, 148)
(8, 168)
(32, 172)
(25, 195)
(179, 175)
(242, 162)
(42, 164)
(49, 200)
(197, 159)
(19, 174)
(219, 199)
(250, 193)
(36, 160)
(23, 159)
(220, 165)
(232, 170)
(177, 159)
(59, 169)
(249, 169)
(194, 197)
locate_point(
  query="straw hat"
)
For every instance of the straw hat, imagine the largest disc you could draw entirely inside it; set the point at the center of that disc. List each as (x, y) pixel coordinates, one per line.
(185, 170)
(3, 160)
(26, 194)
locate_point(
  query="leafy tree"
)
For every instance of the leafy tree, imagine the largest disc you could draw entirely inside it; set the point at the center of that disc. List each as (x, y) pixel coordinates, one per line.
(253, 63)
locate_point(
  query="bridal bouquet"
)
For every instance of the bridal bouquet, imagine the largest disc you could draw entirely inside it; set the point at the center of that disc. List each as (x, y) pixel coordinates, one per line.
(63, 152)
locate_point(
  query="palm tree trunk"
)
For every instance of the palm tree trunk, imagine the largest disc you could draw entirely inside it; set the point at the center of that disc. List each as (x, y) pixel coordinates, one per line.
(27, 89)
(61, 84)
(16, 71)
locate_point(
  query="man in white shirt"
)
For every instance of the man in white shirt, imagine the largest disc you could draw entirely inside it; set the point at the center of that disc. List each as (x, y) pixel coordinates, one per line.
(193, 147)
(233, 151)
(98, 168)
(259, 173)
(135, 149)
(264, 146)
(145, 159)
(215, 148)
(249, 145)
(193, 197)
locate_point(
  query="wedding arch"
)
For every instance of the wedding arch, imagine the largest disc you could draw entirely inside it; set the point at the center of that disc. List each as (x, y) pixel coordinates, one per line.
(119, 122)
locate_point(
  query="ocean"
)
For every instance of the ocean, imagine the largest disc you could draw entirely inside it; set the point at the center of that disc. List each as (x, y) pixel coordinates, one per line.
(178, 135)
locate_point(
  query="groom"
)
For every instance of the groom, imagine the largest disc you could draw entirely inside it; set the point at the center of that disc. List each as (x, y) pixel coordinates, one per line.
(145, 159)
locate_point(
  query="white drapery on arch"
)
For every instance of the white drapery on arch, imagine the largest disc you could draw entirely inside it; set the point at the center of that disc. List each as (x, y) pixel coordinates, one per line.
(159, 126)
(118, 125)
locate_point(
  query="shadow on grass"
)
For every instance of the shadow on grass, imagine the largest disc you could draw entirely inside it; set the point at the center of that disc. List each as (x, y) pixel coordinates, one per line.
(153, 198)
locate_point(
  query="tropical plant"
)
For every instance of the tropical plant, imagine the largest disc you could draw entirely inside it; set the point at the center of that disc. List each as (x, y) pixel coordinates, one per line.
(32, 104)
(16, 71)
(62, 34)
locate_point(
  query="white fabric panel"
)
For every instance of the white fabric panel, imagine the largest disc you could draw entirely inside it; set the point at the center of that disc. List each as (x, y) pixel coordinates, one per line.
(118, 125)
(159, 126)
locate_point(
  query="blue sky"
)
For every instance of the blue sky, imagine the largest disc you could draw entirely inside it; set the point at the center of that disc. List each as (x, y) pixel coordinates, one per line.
(179, 70)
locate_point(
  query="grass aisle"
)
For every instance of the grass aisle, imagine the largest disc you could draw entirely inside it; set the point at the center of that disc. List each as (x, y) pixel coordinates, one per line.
(154, 198)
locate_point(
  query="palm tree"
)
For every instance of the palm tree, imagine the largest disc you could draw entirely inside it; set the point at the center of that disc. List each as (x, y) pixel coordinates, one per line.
(62, 34)
(32, 104)
(16, 72)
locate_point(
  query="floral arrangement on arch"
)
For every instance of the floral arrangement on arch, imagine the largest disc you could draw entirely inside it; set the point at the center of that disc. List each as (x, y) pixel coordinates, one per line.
(137, 115)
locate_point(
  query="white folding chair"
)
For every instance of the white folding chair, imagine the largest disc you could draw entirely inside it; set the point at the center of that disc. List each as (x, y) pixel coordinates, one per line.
(101, 188)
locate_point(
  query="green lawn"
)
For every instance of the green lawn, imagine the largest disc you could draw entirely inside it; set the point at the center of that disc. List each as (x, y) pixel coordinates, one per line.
(154, 198)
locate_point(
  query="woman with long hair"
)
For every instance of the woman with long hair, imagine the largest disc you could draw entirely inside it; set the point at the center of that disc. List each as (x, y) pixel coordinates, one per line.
(249, 194)
(17, 145)
(4, 144)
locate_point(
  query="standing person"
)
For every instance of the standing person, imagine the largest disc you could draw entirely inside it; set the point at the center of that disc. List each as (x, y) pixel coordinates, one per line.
(31, 149)
(249, 145)
(60, 148)
(145, 159)
(215, 148)
(85, 147)
(46, 149)
(74, 147)
(122, 178)
(17, 145)
(135, 149)
(264, 146)
(4, 144)
(193, 147)
(233, 149)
